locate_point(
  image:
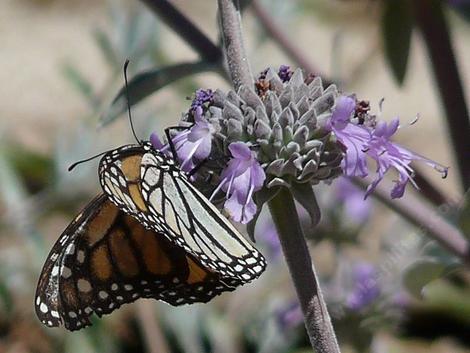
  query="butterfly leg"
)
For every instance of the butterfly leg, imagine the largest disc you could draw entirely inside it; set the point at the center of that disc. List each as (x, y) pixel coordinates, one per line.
(170, 141)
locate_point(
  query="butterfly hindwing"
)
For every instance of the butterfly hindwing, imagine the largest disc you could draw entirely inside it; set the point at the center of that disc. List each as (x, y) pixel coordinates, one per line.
(150, 187)
(106, 258)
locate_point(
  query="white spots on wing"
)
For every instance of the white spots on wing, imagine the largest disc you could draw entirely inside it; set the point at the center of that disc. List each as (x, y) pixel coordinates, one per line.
(88, 310)
(72, 314)
(70, 249)
(55, 314)
(83, 285)
(38, 300)
(55, 270)
(81, 256)
(246, 276)
(43, 307)
(54, 256)
(114, 287)
(103, 294)
(239, 268)
(128, 287)
(63, 240)
(251, 261)
(66, 272)
(258, 269)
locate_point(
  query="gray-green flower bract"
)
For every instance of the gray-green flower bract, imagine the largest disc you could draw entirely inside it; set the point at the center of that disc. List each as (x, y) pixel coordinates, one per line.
(281, 122)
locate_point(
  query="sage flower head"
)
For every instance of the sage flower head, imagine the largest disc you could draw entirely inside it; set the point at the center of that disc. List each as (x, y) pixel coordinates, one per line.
(287, 130)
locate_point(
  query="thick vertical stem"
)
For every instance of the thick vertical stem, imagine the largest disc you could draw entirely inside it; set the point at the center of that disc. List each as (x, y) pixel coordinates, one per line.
(432, 23)
(237, 60)
(302, 271)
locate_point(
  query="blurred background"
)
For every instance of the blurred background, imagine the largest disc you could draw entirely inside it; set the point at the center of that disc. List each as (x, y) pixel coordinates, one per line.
(390, 289)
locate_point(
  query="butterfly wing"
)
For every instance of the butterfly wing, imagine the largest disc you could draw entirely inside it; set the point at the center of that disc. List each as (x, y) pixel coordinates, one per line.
(106, 258)
(150, 187)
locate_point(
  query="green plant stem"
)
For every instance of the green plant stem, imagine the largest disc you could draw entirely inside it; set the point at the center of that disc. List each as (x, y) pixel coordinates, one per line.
(432, 23)
(429, 221)
(238, 65)
(302, 271)
(186, 29)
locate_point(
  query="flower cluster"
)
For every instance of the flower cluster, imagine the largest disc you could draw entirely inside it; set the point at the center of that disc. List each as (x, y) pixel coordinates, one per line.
(373, 140)
(288, 131)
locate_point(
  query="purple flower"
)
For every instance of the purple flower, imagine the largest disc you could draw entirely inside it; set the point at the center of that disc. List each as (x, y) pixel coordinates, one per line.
(202, 97)
(353, 137)
(241, 177)
(361, 141)
(192, 145)
(352, 198)
(366, 288)
(285, 73)
(388, 155)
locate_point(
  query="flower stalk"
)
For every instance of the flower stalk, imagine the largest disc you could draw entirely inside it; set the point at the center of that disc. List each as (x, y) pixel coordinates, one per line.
(282, 206)
(238, 65)
(302, 271)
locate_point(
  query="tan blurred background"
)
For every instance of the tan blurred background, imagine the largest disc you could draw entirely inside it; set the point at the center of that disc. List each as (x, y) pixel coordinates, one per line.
(38, 105)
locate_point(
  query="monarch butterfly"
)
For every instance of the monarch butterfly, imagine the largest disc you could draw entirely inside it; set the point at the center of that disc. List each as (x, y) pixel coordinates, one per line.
(151, 234)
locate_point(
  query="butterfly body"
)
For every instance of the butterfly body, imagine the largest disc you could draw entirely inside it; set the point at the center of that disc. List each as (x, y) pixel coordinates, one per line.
(151, 234)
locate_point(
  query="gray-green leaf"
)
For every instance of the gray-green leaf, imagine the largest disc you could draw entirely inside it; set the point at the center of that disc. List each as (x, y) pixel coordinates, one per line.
(303, 194)
(397, 25)
(421, 273)
(145, 83)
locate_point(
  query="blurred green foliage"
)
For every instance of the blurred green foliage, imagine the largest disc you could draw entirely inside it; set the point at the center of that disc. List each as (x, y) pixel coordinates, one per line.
(417, 277)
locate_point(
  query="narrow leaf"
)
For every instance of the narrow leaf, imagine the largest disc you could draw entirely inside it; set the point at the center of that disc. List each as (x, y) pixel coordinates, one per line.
(397, 25)
(260, 197)
(421, 273)
(303, 194)
(145, 83)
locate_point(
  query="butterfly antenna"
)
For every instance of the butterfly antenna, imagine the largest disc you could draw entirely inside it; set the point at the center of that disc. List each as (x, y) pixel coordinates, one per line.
(126, 64)
(85, 160)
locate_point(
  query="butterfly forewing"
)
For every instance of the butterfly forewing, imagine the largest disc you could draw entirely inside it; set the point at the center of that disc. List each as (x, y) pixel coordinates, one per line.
(106, 258)
(150, 187)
